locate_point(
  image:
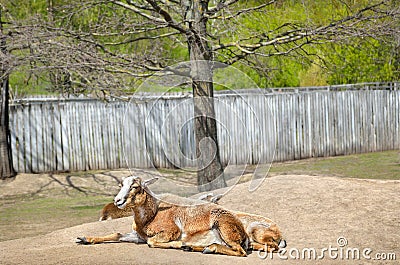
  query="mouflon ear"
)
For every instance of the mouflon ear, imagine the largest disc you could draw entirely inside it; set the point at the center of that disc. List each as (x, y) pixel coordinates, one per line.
(149, 182)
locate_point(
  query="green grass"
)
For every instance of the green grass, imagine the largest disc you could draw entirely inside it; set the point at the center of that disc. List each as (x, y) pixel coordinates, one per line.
(379, 165)
(22, 216)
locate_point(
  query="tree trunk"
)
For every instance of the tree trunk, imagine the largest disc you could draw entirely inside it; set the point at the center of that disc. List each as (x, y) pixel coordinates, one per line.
(6, 167)
(210, 173)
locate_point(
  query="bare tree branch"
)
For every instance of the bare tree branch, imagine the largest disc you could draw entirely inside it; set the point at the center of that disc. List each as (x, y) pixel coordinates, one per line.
(242, 11)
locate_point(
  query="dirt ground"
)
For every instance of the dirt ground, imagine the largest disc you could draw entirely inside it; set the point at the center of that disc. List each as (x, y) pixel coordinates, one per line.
(335, 217)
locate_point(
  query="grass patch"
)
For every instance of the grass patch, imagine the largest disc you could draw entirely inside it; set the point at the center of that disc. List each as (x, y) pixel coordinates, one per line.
(379, 165)
(28, 216)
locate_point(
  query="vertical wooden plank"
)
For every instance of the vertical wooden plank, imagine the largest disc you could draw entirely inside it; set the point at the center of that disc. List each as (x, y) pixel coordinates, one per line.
(342, 123)
(348, 132)
(296, 125)
(303, 124)
(119, 125)
(139, 123)
(151, 134)
(291, 127)
(256, 125)
(330, 123)
(34, 135)
(233, 139)
(75, 141)
(51, 134)
(114, 120)
(324, 142)
(46, 155)
(138, 140)
(376, 116)
(278, 124)
(13, 125)
(156, 115)
(163, 132)
(20, 139)
(390, 121)
(70, 135)
(43, 152)
(91, 149)
(57, 138)
(277, 121)
(75, 125)
(271, 124)
(266, 133)
(103, 121)
(157, 118)
(239, 132)
(147, 134)
(88, 136)
(388, 125)
(110, 135)
(90, 152)
(314, 130)
(117, 131)
(253, 128)
(309, 131)
(41, 141)
(127, 130)
(299, 126)
(351, 117)
(95, 131)
(65, 136)
(371, 129)
(364, 122)
(107, 134)
(319, 117)
(357, 121)
(328, 127)
(27, 139)
(82, 136)
(396, 117)
(103, 135)
(284, 142)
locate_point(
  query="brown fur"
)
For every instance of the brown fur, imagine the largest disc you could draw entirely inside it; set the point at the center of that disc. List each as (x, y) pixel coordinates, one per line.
(263, 233)
(208, 227)
(110, 211)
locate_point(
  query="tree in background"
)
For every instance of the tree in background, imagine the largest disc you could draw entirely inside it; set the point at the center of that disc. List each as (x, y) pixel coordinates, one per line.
(6, 166)
(110, 45)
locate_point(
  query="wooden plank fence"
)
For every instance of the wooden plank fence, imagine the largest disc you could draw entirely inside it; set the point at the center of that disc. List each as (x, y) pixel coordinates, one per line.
(85, 134)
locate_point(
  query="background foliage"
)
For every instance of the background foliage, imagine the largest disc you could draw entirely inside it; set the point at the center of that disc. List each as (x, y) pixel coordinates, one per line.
(348, 61)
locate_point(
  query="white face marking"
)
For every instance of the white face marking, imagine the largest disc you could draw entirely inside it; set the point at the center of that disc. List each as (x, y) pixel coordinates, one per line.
(120, 199)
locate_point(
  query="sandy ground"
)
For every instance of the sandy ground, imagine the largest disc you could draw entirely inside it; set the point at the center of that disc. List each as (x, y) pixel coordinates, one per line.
(312, 211)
